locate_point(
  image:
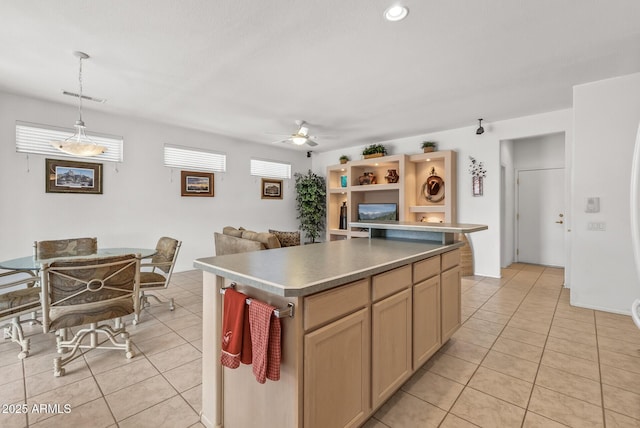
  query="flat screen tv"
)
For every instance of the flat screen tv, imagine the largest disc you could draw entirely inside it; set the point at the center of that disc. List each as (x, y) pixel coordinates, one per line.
(368, 212)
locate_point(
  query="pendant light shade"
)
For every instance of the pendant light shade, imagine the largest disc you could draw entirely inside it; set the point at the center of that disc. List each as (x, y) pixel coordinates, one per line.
(79, 144)
(480, 129)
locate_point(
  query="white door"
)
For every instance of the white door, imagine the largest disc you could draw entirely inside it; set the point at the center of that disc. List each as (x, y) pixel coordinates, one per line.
(541, 217)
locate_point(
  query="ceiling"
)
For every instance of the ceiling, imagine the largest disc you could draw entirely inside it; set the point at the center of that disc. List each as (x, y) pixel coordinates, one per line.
(248, 69)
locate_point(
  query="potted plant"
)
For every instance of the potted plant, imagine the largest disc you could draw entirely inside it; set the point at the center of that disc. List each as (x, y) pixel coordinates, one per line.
(429, 146)
(374, 151)
(311, 203)
(344, 159)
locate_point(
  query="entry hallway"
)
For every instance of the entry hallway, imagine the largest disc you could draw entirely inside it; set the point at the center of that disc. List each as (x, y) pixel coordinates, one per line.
(523, 358)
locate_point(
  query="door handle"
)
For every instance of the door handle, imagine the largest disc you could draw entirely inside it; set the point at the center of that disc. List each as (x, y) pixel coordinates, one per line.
(560, 222)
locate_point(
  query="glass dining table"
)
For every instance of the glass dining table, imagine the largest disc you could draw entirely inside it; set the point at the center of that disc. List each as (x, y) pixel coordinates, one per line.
(31, 263)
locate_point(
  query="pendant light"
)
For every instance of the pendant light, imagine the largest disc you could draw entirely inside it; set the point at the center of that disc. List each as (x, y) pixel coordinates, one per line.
(480, 129)
(79, 144)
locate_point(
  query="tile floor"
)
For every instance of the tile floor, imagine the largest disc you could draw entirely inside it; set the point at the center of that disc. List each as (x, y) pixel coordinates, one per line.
(523, 358)
(159, 387)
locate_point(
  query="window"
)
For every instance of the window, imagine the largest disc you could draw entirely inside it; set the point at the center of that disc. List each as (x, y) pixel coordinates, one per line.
(263, 168)
(37, 138)
(196, 159)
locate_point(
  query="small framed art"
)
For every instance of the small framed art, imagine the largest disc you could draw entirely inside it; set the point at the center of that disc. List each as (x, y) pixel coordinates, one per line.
(65, 176)
(271, 189)
(196, 183)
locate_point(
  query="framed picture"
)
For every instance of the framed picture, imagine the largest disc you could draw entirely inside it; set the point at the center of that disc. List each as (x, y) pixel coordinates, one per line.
(197, 183)
(271, 189)
(65, 176)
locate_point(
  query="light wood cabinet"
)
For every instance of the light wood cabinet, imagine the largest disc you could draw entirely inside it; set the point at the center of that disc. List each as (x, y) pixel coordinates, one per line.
(337, 373)
(426, 320)
(391, 356)
(408, 193)
(363, 340)
(450, 302)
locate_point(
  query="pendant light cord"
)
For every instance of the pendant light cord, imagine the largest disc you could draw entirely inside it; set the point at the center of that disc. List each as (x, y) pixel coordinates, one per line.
(80, 85)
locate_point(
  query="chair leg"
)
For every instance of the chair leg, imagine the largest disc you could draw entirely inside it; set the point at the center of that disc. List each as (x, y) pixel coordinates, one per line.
(14, 331)
(75, 344)
(144, 303)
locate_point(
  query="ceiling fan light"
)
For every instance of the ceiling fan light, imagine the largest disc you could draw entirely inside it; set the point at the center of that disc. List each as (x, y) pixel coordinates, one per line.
(299, 140)
(396, 13)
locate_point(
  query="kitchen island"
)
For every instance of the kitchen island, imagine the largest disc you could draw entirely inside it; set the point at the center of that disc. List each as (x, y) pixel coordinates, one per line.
(365, 314)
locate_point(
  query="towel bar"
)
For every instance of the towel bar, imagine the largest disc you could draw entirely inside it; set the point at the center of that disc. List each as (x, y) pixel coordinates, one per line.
(278, 312)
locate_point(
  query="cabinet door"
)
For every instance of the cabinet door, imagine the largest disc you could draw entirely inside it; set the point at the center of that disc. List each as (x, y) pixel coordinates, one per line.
(426, 320)
(450, 292)
(391, 345)
(337, 373)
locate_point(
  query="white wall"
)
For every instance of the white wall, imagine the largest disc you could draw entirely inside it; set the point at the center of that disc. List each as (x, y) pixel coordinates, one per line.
(508, 204)
(606, 115)
(141, 199)
(485, 148)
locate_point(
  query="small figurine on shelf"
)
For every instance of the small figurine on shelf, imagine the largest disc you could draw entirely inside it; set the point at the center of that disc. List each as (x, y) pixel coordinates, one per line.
(367, 178)
(392, 176)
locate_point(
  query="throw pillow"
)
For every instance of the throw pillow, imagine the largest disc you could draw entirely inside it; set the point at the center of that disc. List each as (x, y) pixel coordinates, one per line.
(287, 239)
(232, 231)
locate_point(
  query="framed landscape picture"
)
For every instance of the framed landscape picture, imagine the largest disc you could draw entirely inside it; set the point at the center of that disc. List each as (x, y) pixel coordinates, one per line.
(65, 176)
(271, 189)
(197, 183)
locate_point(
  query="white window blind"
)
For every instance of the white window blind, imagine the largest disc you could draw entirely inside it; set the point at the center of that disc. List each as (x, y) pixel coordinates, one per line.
(263, 168)
(197, 159)
(37, 138)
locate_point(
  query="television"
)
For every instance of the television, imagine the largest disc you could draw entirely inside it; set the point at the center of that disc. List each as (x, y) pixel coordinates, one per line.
(369, 212)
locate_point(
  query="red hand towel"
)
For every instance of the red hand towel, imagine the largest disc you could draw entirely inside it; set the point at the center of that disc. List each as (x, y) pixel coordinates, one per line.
(265, 341)
(246, 354)
(232, 326)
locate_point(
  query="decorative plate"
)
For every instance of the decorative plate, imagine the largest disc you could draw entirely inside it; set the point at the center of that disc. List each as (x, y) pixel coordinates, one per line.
(433, 189)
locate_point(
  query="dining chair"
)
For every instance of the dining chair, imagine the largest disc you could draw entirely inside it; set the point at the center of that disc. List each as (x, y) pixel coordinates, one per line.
(17, 300)
(86, 292)
(156, 273)
(65, 248)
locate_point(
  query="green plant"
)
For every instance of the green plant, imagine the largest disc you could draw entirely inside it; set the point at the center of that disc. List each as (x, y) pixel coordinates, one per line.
(374, 148)
(426, 144)
(311, 203)
(344, 159)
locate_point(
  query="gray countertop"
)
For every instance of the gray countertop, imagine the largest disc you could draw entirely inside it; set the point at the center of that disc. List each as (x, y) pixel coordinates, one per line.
(420, 226)
(307, 269)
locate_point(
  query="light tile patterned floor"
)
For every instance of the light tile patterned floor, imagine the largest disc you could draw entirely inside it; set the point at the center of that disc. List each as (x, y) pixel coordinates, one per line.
(160, 386)
(523, 358)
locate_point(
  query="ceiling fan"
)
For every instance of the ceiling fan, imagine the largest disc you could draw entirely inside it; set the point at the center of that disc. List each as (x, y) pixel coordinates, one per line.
(301, 136)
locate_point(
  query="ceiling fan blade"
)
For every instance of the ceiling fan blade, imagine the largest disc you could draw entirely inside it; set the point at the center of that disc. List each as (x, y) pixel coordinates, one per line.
(286, 140)
(311, 143)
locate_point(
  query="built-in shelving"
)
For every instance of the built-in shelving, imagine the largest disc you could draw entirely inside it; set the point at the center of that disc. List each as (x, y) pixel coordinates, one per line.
(413, 206)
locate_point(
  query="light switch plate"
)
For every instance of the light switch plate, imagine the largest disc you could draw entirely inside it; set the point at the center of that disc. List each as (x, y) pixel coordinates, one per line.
(593, 204)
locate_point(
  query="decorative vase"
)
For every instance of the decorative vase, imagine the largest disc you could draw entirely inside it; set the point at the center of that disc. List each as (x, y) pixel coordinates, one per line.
(343, 161)
(343, 181)
(477, 185)
(392, 176)
(367, 178)
(343, 216)
(373, 155)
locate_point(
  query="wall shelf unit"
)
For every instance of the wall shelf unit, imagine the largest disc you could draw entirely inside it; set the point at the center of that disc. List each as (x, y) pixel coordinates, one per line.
(407, 193)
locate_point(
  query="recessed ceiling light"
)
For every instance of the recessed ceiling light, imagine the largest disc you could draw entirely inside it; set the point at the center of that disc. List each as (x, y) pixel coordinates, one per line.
(396, 13)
